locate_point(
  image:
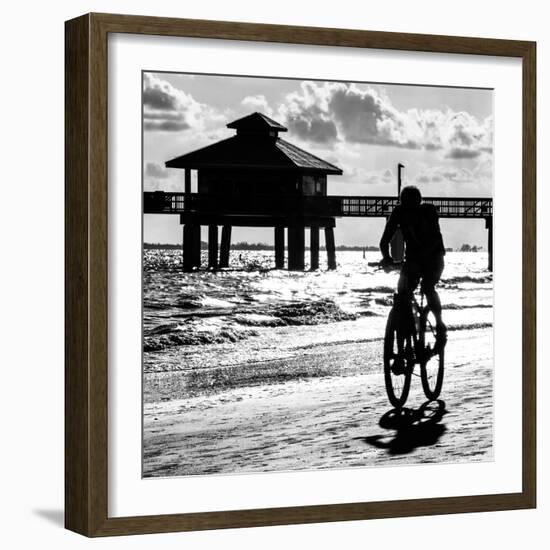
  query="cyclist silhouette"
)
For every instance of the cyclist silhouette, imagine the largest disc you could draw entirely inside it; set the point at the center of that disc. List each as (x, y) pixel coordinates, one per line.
(424, 251)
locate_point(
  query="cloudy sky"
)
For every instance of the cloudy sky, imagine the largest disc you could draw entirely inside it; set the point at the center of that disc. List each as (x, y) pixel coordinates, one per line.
(443, 136)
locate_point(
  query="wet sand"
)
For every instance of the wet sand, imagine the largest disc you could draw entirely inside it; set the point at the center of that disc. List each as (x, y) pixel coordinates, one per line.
(335, 413)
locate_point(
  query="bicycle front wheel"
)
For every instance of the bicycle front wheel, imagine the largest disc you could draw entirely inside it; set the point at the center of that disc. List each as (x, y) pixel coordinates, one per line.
(432, 364)
(398, 362)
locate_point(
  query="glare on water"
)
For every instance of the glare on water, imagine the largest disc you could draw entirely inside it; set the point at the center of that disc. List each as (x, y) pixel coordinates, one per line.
(252, 312)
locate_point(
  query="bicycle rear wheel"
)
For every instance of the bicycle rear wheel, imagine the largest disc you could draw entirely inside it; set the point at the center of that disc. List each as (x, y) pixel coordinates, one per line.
(432, 365)
(398, 361)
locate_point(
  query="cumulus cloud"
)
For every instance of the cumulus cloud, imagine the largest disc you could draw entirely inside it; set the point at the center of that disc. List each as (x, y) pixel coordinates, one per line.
(330, 112)
(363, 116)
(369, 177)
(481, 172)
(158, 178)
(155, 170)
(307, 114)
(467, 137)
(168, 109)
(439, 174)
(163, 185)
(484, 169)
(257, 103)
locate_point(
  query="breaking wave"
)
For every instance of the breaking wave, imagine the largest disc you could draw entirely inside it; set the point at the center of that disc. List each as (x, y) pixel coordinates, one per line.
(459, 279)
(252, 312)
(301, 313)
(194, 338)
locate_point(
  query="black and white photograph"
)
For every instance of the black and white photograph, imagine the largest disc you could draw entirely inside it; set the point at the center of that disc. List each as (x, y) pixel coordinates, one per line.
(317, 274)
(273, 275)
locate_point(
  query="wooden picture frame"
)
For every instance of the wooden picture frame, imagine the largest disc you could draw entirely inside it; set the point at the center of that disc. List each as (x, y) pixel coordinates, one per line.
(86, 282)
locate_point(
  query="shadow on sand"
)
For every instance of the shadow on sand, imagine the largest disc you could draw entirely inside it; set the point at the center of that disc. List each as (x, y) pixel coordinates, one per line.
(412, 428)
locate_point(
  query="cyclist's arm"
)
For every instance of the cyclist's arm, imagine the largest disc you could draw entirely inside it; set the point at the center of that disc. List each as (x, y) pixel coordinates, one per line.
(389, 230)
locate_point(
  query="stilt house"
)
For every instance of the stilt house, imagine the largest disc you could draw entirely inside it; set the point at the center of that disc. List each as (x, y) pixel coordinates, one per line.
(256, 179)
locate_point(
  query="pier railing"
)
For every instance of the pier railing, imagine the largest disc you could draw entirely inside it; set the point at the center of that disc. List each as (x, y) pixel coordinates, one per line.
(453, 207)
(160, 202)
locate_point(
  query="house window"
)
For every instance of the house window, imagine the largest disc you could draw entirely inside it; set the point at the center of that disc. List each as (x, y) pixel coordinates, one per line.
(308, 185)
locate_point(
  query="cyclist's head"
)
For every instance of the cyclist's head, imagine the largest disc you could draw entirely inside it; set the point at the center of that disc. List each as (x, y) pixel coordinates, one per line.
(410, 196)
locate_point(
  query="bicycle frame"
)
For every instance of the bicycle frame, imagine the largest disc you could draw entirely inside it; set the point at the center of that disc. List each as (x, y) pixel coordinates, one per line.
(413, 314)
(408, 328)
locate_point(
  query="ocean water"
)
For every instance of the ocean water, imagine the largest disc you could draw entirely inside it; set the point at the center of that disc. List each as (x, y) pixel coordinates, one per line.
(252, 314)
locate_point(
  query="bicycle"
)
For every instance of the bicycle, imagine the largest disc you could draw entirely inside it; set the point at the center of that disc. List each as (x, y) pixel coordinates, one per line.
(410, 339)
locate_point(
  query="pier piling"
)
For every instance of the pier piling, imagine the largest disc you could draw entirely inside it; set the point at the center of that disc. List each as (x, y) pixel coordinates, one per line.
(314, 247)
(213, 246)
(489, 226)
(296, 247)
(225, 246)
(331, 249)
(196, 245)
(279, 247)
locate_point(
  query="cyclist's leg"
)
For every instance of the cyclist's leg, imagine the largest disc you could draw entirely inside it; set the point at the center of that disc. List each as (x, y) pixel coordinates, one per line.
(434, 303)
(408, 281)
(430, 277)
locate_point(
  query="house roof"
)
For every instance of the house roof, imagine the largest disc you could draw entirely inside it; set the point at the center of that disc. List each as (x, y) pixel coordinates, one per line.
(256, 149)
(257, 122)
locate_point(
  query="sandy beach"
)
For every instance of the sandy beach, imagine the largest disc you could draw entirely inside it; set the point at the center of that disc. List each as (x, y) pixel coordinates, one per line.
(332, 412)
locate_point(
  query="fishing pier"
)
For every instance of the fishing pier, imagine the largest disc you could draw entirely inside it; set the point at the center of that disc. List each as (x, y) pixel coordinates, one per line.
(256, 179)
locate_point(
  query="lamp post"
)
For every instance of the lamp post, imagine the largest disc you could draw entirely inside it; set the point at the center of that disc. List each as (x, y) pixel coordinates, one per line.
(397, 244)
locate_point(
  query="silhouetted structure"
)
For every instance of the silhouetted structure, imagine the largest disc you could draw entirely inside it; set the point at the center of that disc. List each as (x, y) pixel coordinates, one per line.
(270, 179)
(257, 179)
